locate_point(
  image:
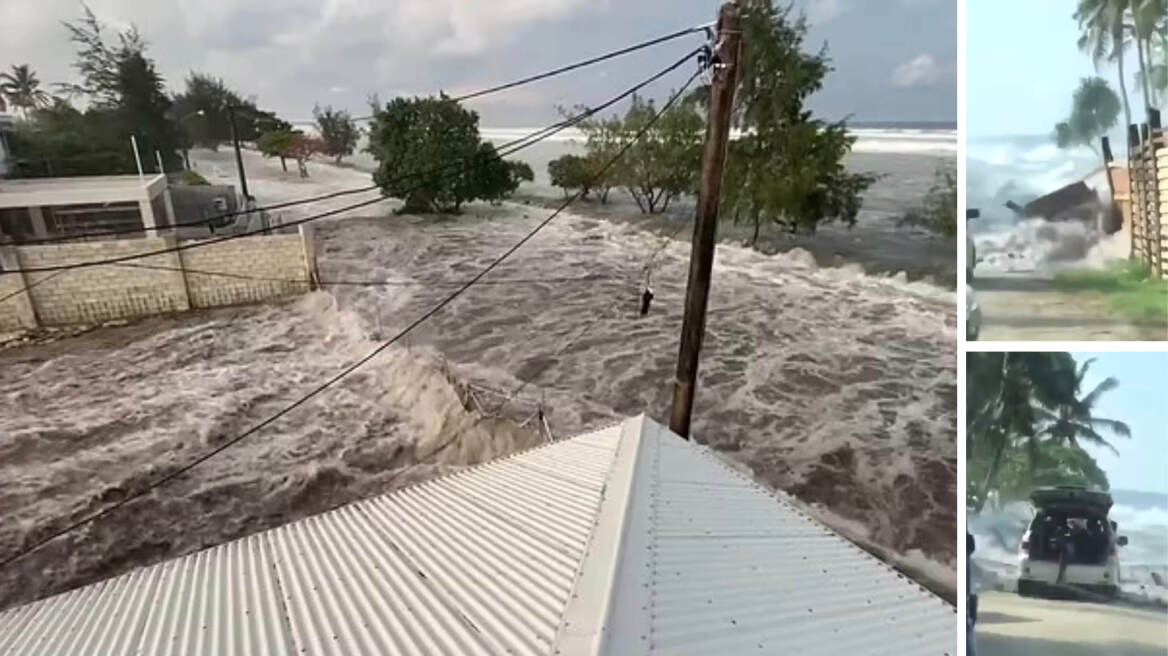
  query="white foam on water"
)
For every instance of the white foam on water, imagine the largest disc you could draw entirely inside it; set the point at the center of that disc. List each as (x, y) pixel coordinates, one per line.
(938, 142)
(834, 385)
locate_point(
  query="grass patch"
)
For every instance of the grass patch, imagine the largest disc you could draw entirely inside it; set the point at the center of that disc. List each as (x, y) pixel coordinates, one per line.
(1128, 289)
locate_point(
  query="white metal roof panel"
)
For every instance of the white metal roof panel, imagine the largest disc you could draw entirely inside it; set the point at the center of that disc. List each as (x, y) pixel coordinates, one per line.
(712, 563)
(627, 540)
(481, 562)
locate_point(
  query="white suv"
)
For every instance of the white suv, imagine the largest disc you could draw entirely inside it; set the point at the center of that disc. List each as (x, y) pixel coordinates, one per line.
(1070, 546)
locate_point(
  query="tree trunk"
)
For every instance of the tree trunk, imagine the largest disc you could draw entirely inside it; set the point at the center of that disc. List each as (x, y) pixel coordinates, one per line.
(284, 163)
(757, 227)
(339, 158)
(1122, 83)
(637, 197)
(983, 492)
(665, 206)
(1149, 102)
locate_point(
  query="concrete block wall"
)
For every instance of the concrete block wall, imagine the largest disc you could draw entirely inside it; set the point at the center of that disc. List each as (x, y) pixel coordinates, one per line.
(15, 305)
(163, 283)
(279, 258)
(103, 293)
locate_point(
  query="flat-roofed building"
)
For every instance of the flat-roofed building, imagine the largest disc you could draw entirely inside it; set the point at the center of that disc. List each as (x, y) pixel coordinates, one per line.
(36, 209)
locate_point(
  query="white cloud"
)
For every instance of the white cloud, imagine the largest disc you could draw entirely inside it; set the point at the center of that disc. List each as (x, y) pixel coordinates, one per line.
(295, 52)
(822, 11)
(921, 71)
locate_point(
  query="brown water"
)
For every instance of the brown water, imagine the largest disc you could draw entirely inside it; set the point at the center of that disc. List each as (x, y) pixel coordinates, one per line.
(834, 385)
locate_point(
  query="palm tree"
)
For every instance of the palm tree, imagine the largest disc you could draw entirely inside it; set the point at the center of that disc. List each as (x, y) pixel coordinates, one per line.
(1103, 25)
(1071, 422)
(1150, 23)
(1148, 17)
(1005, 394)
(22, 89)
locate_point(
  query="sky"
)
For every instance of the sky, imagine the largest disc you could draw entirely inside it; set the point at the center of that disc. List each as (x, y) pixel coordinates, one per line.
(1141, 401)
(1023, 65)
(895, 59)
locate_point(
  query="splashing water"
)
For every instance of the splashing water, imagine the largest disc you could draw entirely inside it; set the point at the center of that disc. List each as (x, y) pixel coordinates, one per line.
(831, 384)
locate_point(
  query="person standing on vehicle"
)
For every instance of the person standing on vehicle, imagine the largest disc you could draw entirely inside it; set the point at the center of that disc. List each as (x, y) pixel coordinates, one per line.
(1072, 536)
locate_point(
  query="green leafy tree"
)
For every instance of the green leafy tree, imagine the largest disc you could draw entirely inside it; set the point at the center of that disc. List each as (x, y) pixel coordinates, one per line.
(605, 137)
(1001, 392)
(787, 168)
(121, 78)
(21, 88)
(1057, 465)
(1026, 418)
(304, 148)
(518, 172)
(144, 110)
(1094, 111)
(338, 131)
(423, 147)
(489, 177)
(664, 163)
(63, 141)
(202, 110)
(570, 172)
(938, 212)
(278, 143)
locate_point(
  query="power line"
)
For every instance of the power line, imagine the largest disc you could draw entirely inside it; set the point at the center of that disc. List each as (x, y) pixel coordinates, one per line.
(476, 94)
(506, 150)
(571, 67)
(515, 145)
(29, 286)
(353, 367)
(647, 268)
(582, 64)
(366, 283)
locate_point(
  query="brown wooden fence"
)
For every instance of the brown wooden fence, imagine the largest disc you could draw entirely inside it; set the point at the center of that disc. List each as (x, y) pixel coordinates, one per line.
(1148, 173)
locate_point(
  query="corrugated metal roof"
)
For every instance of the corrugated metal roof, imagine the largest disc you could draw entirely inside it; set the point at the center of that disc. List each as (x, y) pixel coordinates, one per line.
(715, 564)
(626, 540)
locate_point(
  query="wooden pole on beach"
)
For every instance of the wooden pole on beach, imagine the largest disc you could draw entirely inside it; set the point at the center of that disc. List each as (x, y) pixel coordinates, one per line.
(1133, 174)
(1116, 219)
(725, 73)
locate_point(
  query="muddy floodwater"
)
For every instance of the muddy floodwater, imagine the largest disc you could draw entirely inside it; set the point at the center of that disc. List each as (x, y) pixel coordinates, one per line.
(828, 383)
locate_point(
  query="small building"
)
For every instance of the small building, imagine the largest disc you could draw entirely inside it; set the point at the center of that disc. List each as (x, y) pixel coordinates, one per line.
(626, 540)
(7, 121)
(36, 209)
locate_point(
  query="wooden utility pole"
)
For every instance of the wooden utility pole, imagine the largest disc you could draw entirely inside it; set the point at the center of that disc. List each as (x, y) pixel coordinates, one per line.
(725, 72)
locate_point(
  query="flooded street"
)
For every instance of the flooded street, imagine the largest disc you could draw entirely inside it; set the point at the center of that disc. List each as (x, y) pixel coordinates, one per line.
(830, 384)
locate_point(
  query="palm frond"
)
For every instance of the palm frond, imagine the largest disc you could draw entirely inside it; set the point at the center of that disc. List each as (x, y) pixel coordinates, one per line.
(1102, 388)
(1116, 427)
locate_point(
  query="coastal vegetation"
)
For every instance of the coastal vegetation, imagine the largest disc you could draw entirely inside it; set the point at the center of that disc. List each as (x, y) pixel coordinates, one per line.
(1130, 291)
(1028, 417)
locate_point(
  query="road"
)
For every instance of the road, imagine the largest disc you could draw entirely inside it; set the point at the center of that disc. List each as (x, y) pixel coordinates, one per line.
(1026, 308)
(1009, 625)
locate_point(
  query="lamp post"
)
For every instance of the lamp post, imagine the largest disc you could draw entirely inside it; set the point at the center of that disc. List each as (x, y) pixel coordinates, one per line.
(186, 152)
